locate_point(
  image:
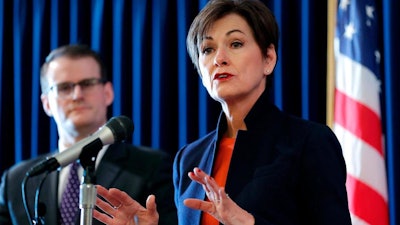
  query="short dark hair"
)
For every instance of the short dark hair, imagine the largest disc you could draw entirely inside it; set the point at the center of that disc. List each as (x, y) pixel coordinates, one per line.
(73, 51)
(260, 19)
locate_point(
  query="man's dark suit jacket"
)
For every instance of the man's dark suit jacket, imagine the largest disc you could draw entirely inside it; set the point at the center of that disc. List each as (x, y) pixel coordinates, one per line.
(284, 170)
(139, 171)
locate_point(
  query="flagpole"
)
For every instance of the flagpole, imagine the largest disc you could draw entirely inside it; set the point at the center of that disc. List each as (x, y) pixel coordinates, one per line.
(330, 81)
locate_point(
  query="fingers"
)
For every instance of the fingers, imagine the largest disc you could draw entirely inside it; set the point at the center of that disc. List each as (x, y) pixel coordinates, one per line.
(218, 197)
(211, 188)
(150, 215)
(194, 203)
(214, 192)
(197, 175)
(101, 190)
(104, 206)
(151, 204)
(114, 200)
(122, 200)
(108, 196)
(218, 205)
(104, 218)
(117, 207)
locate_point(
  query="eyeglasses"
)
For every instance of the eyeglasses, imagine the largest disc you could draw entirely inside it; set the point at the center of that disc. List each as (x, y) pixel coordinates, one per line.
(66, 89)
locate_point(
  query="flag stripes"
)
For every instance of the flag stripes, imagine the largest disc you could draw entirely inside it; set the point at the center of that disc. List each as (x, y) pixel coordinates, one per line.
(372, 209)
(358, 128)
(357, 81)
(357, 118)
(351, 111)
(363, 163)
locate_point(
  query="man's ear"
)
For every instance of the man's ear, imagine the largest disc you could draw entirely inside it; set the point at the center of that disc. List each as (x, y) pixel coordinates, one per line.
(45, 104)
(109, 93)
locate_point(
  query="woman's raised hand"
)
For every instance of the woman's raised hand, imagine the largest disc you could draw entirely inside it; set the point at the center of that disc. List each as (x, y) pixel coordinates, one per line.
(220, 206)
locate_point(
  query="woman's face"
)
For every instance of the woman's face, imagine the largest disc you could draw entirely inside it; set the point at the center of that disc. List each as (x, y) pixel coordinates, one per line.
(231, 63)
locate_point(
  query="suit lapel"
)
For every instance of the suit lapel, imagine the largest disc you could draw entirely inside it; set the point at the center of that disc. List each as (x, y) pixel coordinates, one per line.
(48, 200)
(107, 172)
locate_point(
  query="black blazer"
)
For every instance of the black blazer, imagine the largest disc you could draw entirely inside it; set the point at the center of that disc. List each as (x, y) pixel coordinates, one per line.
(139, 171)
(284, 170)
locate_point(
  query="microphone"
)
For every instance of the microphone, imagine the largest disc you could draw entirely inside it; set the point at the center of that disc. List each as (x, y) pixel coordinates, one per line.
(117, 129)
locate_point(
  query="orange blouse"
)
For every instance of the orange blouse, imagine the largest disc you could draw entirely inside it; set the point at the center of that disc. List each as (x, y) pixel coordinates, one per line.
(220, 172)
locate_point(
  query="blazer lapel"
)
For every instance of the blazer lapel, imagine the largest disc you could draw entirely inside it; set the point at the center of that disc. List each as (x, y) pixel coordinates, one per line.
(241, 166)
(107, 172)
(264, 123)
(48, 201)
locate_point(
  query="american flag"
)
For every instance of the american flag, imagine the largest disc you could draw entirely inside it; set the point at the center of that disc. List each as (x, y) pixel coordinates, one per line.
(357, 114)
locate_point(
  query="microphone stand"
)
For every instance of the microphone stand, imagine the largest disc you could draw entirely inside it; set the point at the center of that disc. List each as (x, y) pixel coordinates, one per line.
(87, 190)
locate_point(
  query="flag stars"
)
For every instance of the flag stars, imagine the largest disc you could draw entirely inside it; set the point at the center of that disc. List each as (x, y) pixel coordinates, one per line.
(343, 4)
(377, 57)
(369, 11)
(349, 31)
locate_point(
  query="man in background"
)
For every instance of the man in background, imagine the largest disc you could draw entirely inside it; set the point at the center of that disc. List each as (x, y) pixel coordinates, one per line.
(76, 93)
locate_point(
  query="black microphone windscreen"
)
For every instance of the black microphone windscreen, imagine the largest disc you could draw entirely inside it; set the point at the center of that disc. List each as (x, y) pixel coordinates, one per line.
(121, 126)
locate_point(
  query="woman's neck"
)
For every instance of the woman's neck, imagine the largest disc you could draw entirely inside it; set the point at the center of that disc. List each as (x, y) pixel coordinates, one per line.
(235, 113)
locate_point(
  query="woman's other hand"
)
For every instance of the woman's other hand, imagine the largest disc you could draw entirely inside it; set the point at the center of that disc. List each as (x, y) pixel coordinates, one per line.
(220, 206)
